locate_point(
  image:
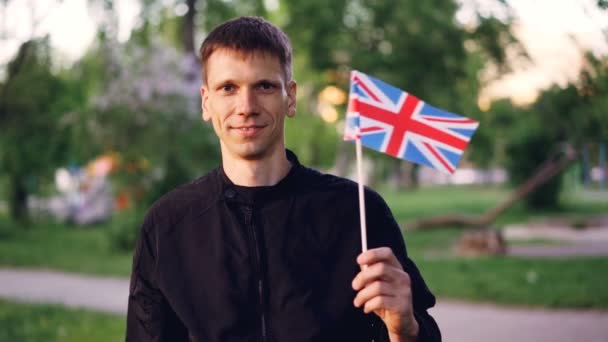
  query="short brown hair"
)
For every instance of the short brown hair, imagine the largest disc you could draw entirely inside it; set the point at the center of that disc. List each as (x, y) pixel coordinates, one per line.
(249, 34)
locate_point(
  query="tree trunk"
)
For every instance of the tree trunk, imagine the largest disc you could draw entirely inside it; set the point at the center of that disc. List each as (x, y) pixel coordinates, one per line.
(400, 175)
(405, 175)
(18, 199)
(188, 33)
(343, 158)
(415, 182)
(551, 167)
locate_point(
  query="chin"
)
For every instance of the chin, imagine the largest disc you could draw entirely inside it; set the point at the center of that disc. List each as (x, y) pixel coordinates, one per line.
(254, 155)
(254, 149)
(251, 152)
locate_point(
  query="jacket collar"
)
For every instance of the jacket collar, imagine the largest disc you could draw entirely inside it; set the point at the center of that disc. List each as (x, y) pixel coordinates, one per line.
(229, 191)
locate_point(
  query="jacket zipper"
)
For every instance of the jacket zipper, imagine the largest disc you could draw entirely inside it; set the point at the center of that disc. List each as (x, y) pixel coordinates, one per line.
(258, 256)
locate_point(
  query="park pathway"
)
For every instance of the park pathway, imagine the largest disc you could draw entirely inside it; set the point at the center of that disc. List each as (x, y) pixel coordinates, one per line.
(561, 241)
(459, 321)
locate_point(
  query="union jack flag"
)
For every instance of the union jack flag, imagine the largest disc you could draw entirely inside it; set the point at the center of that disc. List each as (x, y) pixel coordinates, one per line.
(390, 120)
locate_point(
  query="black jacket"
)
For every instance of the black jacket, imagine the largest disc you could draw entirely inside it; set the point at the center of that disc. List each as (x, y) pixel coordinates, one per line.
(218, 262)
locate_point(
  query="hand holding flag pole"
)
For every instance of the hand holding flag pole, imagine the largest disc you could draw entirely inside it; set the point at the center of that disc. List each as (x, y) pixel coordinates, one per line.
(392, 121)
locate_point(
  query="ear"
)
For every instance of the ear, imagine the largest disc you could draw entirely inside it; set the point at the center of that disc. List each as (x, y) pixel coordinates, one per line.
(204, 107)
(292, 88)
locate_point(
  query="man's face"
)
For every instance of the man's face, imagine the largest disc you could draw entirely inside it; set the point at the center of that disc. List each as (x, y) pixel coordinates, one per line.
(246, 97)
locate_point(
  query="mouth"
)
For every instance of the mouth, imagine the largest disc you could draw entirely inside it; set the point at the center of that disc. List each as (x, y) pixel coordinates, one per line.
(248, 130)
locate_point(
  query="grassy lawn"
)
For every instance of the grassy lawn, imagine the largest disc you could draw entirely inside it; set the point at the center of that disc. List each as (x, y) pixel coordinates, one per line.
(475, 200)
(28, 322)
(576, 282)
(557, 283)
(73, 249)
(430, 201)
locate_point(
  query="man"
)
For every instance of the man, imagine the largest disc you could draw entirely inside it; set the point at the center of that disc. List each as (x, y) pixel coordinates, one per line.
(263, 248)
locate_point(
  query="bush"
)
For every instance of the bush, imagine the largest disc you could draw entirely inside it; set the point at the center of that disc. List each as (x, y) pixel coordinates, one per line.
(525, 154)
(6, 228)
(124, 229)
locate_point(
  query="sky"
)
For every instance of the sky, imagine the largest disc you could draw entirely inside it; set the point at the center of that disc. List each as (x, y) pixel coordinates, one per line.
(545, 27)
(552, 31)
(71, 24)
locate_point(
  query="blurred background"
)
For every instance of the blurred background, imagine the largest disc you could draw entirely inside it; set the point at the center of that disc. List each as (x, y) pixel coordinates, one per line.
(100, 116)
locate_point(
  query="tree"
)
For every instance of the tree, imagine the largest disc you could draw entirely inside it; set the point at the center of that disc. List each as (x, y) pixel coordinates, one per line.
(417, 46)
(148, 106)
(573, 116)
(542, 141)
(35, 137)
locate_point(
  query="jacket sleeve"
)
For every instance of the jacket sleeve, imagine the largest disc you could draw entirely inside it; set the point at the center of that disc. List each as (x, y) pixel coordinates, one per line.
(384, 231)
(149, 316)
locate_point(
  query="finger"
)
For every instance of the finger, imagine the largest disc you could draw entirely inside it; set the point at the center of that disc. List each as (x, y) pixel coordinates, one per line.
(381, 271)
(381, 254)
(377, 271)
(375, 289)
(384, 303)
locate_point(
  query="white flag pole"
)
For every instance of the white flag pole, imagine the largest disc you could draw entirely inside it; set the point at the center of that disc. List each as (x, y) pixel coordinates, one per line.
(361, 195)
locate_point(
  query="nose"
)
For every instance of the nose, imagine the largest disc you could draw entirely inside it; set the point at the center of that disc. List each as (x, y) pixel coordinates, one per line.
(247, 102)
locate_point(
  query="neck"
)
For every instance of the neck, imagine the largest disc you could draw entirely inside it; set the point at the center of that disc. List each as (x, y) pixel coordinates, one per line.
(263, 172)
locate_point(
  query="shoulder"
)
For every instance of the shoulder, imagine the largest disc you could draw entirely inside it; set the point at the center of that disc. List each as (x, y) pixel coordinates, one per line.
(318, 182)
(196, 195)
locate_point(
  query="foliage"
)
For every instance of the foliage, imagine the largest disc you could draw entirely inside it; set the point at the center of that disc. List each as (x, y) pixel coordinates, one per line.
(159, 18)
(140, 98)
(593, 90)
(531, 149)
(417, 46)
(29, 322)
(321, 140)
(574, 115)
(124, 229)
(149, 113)
(3, 188)
(35, 105)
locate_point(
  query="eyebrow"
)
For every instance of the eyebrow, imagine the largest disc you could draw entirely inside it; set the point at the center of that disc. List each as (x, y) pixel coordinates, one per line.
(258, 82)
(265, 80)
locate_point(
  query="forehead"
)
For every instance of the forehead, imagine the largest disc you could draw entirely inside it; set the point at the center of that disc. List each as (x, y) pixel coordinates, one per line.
(228, 64)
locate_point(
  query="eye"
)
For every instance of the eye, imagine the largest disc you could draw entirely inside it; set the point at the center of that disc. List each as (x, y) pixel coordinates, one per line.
(227, 88)
(266, 86)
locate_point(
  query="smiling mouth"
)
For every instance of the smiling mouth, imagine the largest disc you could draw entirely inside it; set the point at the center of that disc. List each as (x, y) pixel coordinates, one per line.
(248, 131)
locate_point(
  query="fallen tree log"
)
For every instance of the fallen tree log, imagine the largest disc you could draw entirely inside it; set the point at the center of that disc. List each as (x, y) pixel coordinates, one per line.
(547, 170)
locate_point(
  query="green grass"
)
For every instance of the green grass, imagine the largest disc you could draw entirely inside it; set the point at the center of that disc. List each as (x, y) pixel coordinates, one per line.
(556, 283)
(68, 248)
(475, 200)
(429, 201)
(29, 322)
(572, 283)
